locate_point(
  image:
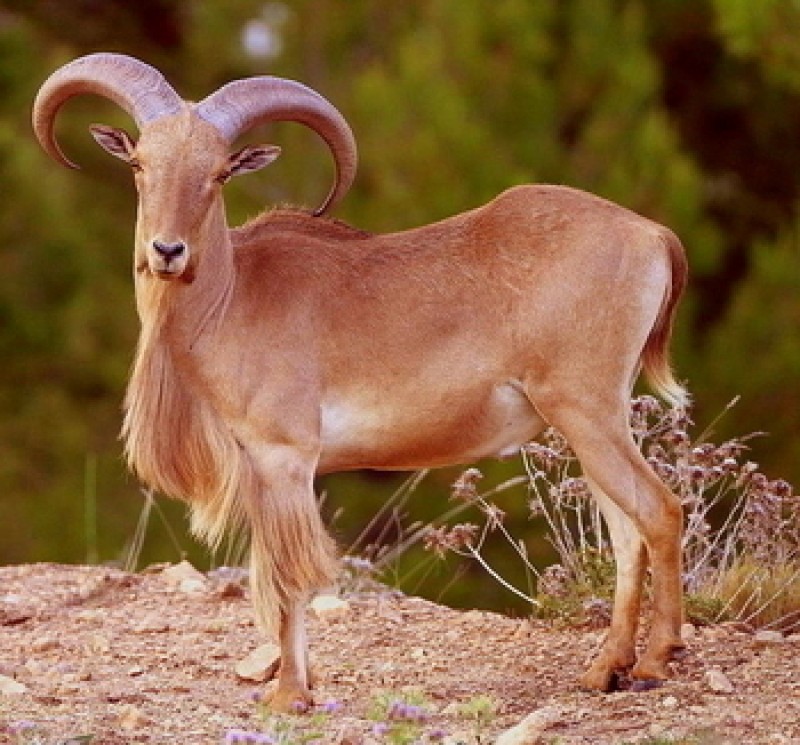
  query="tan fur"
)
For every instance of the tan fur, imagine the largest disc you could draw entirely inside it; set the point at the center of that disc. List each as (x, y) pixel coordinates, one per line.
(298, 345)
(291, 278)
(655, 355)
(179, 445)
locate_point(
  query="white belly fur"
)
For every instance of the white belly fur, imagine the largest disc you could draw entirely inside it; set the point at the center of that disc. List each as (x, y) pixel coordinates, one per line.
(364, 431)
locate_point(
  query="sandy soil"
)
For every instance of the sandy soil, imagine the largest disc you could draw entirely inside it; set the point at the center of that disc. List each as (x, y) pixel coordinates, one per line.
(143, 658)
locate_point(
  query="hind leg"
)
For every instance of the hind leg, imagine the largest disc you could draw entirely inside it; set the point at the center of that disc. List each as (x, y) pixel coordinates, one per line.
(601, 438)
(619, 649)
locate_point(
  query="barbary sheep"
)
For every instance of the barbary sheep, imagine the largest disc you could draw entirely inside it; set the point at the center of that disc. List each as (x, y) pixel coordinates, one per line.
(296, 345)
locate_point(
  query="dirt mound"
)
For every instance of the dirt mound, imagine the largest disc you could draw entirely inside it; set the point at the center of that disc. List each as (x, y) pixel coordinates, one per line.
(151, 658)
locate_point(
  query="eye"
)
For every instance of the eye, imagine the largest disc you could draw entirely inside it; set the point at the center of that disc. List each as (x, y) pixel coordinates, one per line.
(222, 177)
(135, 165)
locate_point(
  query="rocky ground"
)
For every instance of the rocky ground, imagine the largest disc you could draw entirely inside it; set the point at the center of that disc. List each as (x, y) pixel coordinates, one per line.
(162, 657)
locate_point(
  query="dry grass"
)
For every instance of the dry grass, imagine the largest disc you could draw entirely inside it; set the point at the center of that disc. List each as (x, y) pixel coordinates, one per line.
(741, 544)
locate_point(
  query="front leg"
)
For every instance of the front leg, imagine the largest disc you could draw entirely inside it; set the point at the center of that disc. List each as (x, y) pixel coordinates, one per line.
(292, 694)
(291, 556)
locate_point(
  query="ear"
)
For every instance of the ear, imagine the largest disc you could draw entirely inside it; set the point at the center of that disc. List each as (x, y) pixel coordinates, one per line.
(250, 158)
(115, 141)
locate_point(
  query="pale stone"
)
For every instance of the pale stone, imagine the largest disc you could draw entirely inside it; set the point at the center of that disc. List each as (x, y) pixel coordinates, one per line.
(185, 577)
(522, 630)
(193, 586)
(718, 682)
(214, 626)
(457, 738)
(131, 718)
(688, 632)
(152, 624)
(531, 729)
(768, 636)
(11, 687)
(329, 608)
(260, 665)
(98, 644)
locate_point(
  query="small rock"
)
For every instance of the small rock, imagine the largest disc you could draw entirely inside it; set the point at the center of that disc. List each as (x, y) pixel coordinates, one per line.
(688, 632)
(456, 738)
(98, 644)
(766, 637)
(454, 709)
(670, 702)
(260, 665)
(44, 644)
(718, 682)
(11, 687)
(473, 616)
(193, 587)
(151, 625)
(135, 671)
(131, 718)
(329, 608)
(213, 626)
(522, 630)
(185, 578)
(531, 729)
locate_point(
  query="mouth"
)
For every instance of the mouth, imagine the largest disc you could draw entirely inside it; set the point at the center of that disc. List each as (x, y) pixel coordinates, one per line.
(165, 273)
(183, 275)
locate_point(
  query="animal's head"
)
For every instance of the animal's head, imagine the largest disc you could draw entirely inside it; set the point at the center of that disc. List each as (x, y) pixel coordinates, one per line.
(183, 156)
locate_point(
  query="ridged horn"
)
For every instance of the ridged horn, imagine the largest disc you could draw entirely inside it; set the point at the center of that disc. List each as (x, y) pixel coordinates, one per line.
(243, 104)
(141, 90)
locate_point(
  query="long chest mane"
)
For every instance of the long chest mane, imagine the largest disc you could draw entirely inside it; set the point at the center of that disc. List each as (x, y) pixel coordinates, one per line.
(175, 442)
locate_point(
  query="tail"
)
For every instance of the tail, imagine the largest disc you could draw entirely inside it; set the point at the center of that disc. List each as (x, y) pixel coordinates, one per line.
(655, 355)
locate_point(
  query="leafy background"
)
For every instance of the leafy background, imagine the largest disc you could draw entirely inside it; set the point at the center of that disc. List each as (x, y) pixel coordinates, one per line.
(687, 111)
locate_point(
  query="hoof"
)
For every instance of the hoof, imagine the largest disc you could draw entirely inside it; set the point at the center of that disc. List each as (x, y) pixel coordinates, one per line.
(600, 679)
(288, 701)
(608, 673)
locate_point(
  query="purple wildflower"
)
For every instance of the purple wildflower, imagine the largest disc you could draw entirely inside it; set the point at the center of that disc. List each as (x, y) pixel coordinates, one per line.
(331, 706)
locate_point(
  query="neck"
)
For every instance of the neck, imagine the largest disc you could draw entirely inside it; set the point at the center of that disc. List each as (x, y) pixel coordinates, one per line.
(169, 430)
(191, 305)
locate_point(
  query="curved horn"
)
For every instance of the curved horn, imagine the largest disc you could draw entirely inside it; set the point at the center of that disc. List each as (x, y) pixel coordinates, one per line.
(243, 104)
(138, 88)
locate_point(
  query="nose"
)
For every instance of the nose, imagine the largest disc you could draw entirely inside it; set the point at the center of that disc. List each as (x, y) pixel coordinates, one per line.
(169, 251)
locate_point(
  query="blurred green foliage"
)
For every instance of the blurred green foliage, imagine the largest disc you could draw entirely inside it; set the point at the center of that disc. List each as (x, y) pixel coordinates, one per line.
(687, 111)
